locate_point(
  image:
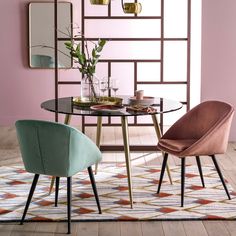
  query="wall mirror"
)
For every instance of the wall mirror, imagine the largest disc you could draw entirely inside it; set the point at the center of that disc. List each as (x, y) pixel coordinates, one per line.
(41, 34)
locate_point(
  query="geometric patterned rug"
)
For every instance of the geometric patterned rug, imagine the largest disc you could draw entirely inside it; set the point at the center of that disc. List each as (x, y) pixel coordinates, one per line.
(200, 203)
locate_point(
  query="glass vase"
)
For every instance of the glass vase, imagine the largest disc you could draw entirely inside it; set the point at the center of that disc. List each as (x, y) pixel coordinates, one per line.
(89, 89)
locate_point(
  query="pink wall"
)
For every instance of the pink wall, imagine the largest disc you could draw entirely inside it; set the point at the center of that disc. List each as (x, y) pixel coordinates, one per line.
(22, 89)
(219, 53)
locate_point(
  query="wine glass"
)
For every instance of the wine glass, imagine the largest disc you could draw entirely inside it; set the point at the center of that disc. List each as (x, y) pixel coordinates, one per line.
(115, 85)
(103, 86)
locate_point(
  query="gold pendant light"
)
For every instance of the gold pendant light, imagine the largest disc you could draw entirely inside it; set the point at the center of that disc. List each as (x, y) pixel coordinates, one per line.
(131, 7)
(99, 2)
(128, 7)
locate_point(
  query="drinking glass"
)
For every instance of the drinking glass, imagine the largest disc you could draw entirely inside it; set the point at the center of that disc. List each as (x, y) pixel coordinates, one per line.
(103, 86)
(115, 85)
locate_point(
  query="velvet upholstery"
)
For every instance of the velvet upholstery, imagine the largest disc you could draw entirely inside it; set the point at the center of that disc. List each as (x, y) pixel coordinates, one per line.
(41, 61)
(59, 150)
(204, 130)
(55, 149)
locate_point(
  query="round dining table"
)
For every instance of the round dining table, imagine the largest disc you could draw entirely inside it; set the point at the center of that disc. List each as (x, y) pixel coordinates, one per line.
(69, 107)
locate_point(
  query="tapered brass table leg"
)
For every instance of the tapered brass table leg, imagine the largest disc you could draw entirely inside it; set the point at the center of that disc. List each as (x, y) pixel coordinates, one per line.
(159, 134)
(125, 132)
(66, 121)
(52, 184)
(98, 137)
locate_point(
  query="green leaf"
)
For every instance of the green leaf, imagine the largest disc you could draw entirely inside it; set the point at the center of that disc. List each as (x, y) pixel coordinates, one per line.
(78, 53)
(81, 59)
(68, 44)
(94, 53)
(93, 69)
(95, 61)
(78, 47)
(99, 49)
(73, 54)
(83, 70)
(68, 47)
(101, 42)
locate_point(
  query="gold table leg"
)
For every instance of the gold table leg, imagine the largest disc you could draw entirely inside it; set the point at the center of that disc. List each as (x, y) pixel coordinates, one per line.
(125, 132)
(159, 134)
(98, 137)
(52, 184)
(66, 121)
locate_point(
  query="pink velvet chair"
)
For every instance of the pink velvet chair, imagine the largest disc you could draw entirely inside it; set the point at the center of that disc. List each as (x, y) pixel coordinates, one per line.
(204, 130)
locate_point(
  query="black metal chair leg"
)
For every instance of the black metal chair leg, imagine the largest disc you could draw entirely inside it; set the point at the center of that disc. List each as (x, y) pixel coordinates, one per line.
(220, 175)
(34, 183)
(91, 176)
(57, 190)
(162, 172)
(200, 170)
(182, 180)
(69, 203)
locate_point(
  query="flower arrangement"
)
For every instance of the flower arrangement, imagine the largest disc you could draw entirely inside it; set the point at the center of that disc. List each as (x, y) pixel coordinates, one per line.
(87, 61)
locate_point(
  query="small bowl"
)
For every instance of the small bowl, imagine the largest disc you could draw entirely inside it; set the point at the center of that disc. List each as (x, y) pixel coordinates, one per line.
(146, 101)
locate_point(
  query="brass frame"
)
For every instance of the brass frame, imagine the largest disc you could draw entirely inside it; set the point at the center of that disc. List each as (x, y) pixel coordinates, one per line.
(29, 33)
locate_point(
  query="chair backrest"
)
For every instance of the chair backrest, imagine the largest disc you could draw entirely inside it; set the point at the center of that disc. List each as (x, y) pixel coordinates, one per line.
(54, 149)
(205, 119)
(41, 61)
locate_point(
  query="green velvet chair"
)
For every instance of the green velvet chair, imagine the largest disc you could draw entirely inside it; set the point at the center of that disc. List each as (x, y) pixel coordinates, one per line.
(59, 150)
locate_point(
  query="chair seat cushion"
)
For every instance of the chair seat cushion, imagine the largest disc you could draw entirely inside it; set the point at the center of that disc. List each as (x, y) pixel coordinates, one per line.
(176, 145)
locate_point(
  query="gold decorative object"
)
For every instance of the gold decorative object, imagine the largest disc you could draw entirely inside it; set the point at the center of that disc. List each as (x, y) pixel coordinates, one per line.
(99, 2)
(132, 8)
(129, 7)
(110, 100)
(101, 100)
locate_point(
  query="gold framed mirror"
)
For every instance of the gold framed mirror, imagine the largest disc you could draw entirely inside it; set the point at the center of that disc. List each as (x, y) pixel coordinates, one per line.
(41, 34)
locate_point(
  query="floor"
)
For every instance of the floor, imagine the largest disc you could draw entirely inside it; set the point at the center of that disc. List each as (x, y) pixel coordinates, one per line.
(10, 155)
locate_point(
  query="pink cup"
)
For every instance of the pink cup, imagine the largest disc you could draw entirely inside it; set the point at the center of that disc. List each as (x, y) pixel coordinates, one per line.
(139, 94)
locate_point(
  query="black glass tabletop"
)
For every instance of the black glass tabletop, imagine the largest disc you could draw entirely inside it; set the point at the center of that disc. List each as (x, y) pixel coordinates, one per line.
(67, 106)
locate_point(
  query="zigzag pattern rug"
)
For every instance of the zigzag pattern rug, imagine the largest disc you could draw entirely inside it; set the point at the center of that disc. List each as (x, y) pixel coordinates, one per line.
(200, 203)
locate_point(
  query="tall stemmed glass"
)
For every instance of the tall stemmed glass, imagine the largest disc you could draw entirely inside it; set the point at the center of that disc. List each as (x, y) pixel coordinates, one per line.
(103, 86)
(115, 85)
